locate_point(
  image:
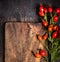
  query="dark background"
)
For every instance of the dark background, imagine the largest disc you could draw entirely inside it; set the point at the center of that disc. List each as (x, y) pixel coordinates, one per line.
(20, 10)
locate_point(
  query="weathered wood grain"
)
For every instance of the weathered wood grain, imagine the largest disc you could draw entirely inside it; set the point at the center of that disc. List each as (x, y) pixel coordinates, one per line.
(20, 41)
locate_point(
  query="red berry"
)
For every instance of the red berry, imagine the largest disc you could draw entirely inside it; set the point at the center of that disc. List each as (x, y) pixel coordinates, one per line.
(45, 10)
(50, 27)
(54, 34)
(41, 13)
(42, 53)
(45, 36)
(41, 8)
(55, 18)
(39, 37)
(37, 55)
(57, 10)
(55, 28)
(44, 23)
(50, 9)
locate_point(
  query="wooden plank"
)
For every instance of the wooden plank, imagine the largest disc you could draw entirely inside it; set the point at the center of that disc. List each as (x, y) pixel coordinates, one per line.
(20, 41)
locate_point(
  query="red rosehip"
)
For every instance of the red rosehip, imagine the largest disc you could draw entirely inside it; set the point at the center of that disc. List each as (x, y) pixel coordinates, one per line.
(42, 53)
(39, 37)
(50, 27)
(41, 8)
(50, 9)
(55, 27)
(45, 36)
(44, 23)
(41, 13)
(54, 34)
(57, 10)
(37, 55)
(55, 18)
(45, 10)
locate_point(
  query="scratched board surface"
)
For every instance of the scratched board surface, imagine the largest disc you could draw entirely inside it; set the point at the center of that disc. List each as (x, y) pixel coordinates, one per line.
(21, 41)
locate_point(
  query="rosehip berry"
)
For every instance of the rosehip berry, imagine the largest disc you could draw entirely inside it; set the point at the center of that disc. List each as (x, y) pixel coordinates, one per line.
(41, 13)
(44, 23)
(50, 27)
(39, 37)
(45, 10)
(50, 9)
(42, 53)
(45, 36)
(37, 55)
(55, 28)
(55, 18)
(54, 34)
(41, 8)
(57, 10)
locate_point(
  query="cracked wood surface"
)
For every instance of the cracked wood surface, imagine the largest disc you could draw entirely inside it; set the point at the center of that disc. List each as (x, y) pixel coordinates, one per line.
(21, 40)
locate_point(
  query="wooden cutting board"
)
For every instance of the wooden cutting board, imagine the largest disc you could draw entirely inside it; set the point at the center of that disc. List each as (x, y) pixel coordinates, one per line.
(21, 41)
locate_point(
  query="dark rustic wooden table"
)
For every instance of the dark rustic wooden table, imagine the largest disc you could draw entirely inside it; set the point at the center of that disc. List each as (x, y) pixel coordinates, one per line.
(19, 10)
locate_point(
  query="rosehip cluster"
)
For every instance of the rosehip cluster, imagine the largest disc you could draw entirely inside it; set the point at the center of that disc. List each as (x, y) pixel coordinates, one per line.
(43, 10)
(54, 18)
(41, 53)
(53, 30)
(44, 37)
